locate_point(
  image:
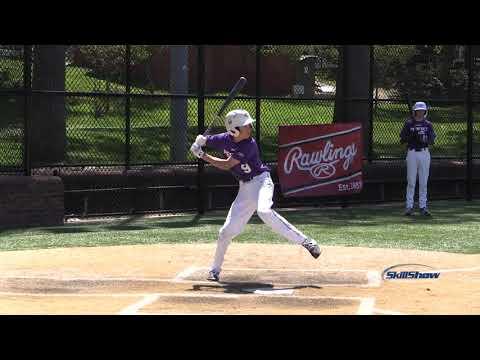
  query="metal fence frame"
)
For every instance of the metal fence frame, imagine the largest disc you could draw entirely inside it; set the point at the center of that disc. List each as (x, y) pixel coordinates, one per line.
(27, 92)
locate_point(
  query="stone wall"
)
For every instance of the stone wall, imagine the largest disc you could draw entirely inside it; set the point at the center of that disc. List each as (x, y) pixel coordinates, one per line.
(31, 201)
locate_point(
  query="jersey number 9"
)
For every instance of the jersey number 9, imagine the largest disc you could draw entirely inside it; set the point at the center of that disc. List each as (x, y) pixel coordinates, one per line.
(246, 168)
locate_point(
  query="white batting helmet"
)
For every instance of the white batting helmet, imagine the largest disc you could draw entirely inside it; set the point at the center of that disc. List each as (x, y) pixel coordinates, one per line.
(236, 118)
(420, 105)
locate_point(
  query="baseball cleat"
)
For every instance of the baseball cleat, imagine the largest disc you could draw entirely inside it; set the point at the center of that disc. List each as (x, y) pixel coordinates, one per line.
(213, 275)
(409, 212)
(425, 212)
(312, 247)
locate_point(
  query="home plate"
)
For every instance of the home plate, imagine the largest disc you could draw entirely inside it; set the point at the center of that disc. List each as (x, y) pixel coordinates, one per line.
(273, 291)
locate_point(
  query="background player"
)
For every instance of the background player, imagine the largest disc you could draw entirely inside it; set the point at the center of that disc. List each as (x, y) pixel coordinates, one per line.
(418, 133)
(255, 186)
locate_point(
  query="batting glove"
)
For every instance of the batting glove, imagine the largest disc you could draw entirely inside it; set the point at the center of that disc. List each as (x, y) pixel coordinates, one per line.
(201, 140)
(197, 150)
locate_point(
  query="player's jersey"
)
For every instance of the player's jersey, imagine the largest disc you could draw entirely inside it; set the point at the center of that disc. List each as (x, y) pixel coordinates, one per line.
(417, 134)
(245, 151)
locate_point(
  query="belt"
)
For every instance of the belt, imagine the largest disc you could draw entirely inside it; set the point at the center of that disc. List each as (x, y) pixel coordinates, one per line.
(246, 181)
(419, 149)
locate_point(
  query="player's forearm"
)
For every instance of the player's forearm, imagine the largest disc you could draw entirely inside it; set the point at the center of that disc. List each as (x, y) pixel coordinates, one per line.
(222, 164)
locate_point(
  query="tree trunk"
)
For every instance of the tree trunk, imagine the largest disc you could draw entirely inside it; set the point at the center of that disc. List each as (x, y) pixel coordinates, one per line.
(353, 88)
(48, 127)
(178, 106)
(447, 58)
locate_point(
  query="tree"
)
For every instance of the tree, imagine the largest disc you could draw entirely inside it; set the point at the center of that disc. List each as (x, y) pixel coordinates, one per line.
(389, 62)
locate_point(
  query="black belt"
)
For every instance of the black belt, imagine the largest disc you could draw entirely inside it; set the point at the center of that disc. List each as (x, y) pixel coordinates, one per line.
(250, 179)
(418, 149)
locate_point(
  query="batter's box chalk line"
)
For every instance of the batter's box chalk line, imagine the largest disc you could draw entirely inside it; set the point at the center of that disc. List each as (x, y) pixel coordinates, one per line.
(374, 278)
(387, 312)
(366, 306)
(187, 272)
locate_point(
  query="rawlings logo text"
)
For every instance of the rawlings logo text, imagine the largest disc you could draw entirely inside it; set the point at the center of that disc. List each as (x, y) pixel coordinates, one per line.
(320, 164)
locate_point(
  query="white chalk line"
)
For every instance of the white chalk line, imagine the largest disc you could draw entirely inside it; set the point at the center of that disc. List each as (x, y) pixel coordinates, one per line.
(132, 309)
(31, 277)
(282, 285)
(179, 294)
(273, 291)
(184, 281)
(12, 293)
(171, 294)
(181, 314)
(151, 298)
(456, 270)
(187, 272)
(366, 306)
(387, 312)
(373, 277)
(147, 299)
(289, 270)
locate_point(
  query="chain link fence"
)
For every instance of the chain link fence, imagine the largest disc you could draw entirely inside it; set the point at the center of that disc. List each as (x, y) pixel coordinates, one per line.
(406, 74)
(11, 108)
(116, 121)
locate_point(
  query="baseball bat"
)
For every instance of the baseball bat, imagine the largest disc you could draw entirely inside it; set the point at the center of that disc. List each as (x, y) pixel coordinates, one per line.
(231, 95)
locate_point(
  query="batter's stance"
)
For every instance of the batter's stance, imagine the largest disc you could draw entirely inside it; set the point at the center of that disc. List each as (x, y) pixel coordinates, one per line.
(418, 133)
(256, 186)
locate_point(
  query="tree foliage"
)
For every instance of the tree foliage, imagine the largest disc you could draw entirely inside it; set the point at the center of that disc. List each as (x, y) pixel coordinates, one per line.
(108, 61)
(419, 70)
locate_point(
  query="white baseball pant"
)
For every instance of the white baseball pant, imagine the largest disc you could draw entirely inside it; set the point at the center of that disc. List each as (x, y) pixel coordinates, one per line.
(418, 162)
(254, 195)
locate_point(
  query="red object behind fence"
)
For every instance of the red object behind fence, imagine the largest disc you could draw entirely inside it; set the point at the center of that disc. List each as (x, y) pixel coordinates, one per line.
(320, 160)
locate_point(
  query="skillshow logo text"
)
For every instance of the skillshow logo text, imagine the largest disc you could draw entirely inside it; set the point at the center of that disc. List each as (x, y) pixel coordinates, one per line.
(409, 272)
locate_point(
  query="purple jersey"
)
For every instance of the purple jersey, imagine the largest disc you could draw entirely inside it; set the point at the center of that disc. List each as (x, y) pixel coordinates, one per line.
(417, 134)
(245, 151)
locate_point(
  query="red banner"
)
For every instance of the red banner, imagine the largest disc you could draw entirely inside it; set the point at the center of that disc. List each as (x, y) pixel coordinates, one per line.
(320, 160)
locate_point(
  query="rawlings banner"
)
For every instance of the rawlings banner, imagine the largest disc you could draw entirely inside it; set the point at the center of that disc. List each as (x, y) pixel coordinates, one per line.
(320, 160)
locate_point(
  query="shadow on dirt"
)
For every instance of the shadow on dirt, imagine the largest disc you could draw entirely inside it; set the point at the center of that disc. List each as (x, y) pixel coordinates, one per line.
(246, 287)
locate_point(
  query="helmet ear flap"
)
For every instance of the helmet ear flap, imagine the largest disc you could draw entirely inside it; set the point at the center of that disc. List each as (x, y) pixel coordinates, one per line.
(234, 132)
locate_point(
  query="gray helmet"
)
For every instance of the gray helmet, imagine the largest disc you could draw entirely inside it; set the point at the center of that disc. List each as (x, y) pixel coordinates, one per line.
(420, 105)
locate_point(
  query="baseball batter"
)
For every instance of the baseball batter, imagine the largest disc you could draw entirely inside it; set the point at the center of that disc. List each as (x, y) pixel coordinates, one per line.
(255, 186)
(418, 133)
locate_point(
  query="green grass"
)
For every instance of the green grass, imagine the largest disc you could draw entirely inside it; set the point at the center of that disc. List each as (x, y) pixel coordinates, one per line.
(96, 126)
(454, 227)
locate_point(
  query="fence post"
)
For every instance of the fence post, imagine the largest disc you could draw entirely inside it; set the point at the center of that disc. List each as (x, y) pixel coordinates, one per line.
(127, 106)
(201, 124)
(258, 89)
(27, 94)
(345, 95)
(370, 99)
(468, 192)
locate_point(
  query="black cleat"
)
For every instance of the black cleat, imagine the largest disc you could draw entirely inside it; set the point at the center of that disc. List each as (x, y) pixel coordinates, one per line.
(425, 212)
(312, 247)
(409, 212)
(213, 275)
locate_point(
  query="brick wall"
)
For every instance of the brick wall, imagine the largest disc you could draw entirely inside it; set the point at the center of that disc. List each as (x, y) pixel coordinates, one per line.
(31, 201)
